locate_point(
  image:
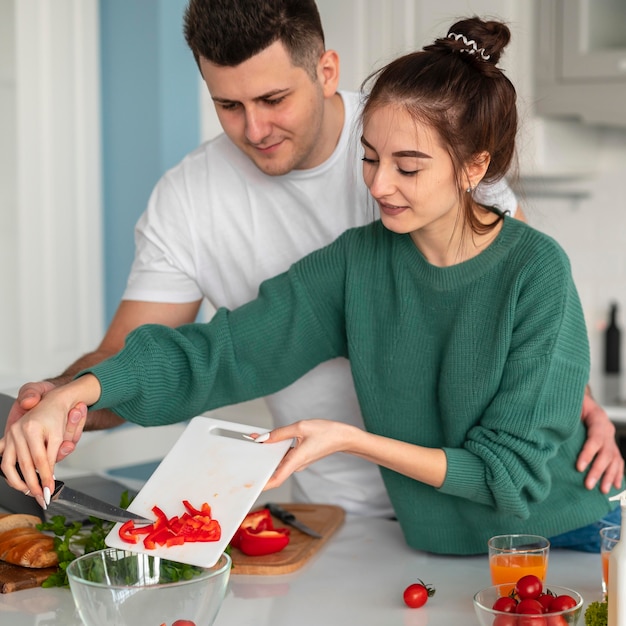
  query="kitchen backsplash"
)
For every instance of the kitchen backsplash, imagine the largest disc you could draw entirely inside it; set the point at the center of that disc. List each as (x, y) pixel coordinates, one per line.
(592, 230)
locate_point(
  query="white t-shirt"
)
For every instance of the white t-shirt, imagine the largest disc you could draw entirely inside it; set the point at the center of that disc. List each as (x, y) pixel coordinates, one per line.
(216, 227)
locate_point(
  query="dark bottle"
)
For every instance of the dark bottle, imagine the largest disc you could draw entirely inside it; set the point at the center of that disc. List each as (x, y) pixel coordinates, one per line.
(612, 345)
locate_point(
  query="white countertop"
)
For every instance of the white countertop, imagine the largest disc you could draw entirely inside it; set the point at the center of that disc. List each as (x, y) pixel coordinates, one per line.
(357, 578)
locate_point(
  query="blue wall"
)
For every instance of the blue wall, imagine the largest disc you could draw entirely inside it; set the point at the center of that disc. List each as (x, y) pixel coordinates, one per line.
(150, 118)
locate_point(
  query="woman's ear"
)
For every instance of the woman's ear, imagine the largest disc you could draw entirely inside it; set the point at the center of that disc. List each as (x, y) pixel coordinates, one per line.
(476, 169)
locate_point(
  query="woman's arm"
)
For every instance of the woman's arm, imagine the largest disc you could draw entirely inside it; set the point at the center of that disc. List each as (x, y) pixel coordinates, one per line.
(317, 438)
(33, 441)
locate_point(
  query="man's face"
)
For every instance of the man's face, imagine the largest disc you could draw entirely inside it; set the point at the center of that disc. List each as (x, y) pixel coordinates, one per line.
(271, 110)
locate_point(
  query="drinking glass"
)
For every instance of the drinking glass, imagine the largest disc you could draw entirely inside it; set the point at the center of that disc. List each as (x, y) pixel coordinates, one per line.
(609, 536)
(514, 556)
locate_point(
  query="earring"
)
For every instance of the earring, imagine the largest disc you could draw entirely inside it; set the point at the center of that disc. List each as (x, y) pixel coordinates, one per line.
(469, 190)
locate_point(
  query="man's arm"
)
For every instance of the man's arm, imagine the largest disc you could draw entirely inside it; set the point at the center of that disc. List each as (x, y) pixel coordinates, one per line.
(129, 315)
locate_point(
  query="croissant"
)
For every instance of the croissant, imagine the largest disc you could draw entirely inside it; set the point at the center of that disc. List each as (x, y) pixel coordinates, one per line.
(28, 547)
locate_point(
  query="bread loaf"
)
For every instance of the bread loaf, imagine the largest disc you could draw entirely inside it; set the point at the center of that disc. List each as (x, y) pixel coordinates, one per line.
(27, 547)
(8, 521)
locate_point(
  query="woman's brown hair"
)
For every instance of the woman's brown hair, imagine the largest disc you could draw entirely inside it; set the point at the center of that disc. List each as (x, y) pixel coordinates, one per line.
(455, 87)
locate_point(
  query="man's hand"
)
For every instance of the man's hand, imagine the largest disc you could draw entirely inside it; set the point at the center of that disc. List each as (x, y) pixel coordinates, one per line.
(600, 449)
(30, 395)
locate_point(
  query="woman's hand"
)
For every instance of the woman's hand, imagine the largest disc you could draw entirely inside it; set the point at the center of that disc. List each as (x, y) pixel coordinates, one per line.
(314, 439)
(33, 441)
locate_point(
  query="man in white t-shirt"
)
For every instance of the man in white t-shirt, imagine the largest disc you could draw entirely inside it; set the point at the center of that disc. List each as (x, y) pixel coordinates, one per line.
(283, 180)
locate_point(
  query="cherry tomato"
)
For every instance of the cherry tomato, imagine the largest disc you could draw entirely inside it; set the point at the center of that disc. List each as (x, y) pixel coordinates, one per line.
(562, 603)
(529, 587)
(506, 604)
(531, 620)
(556, 620)
(529, 606)
(546, 600)
(417, 594)
(183, 622)
(505, 620)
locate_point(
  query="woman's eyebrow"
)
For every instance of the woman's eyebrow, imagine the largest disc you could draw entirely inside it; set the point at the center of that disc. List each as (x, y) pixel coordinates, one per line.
(416, 154)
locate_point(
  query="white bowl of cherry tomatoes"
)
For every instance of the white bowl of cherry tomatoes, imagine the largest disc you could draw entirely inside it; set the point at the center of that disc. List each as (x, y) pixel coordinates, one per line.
(528, 603)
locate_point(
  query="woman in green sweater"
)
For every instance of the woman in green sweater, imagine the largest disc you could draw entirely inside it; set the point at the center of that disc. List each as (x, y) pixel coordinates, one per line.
(463, 328)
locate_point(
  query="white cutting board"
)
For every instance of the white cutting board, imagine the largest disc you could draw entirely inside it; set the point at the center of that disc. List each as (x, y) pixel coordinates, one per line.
(210, 462)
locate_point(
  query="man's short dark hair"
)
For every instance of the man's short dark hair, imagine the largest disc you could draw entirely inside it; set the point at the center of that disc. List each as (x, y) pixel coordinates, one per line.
(228, 32)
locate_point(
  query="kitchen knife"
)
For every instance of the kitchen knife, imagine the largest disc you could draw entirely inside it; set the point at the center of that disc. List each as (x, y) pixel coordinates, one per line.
(289, 518)
(88, 505)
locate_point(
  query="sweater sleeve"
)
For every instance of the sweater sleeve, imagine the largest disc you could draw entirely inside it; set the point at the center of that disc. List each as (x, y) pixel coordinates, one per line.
(165, 375)
(505, 461)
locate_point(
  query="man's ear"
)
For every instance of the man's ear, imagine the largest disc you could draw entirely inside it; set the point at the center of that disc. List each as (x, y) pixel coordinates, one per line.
(476, 169)
(328, 72)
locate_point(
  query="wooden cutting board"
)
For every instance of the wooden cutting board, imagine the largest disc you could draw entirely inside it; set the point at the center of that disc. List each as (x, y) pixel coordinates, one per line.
(324, 518)
(15, 577)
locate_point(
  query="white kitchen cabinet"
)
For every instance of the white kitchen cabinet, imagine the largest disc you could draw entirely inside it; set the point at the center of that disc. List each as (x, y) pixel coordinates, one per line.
(50, 222)
(581, 60)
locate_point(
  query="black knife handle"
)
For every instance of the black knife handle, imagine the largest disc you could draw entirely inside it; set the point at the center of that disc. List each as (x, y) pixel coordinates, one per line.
(280, 513)
(57, 483)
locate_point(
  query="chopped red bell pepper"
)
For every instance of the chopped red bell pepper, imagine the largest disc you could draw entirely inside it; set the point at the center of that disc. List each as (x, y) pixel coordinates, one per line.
(255, 520)
(257, 536)
(205, 509)
(263, 542)
(193, 525)
(126, 532)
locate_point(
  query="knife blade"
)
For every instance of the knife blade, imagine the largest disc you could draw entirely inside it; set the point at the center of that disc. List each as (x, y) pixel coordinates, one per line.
(87, 505)
(289, 518)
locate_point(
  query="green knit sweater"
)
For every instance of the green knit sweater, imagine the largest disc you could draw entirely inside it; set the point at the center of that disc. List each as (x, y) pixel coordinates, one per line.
(487, 359)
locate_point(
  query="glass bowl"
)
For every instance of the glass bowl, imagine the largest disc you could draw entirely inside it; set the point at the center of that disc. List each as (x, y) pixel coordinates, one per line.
(121, 588)
(484, 600)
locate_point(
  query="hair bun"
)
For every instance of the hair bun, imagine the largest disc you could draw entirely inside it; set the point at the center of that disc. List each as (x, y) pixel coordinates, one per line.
(483, 40)
(470, 46)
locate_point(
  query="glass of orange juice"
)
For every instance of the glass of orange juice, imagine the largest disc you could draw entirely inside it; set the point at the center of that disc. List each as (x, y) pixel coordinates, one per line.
(514, 556)
(609, 536)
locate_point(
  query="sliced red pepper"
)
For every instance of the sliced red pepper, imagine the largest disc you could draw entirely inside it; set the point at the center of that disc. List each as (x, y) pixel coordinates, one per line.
(256, 520)
(126, 533)
(175, 540)
(205, 509)
(259, 543)
(193, 525)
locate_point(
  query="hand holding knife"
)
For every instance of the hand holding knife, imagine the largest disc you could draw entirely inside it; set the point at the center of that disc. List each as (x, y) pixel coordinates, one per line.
(289, 518)
(88, 505)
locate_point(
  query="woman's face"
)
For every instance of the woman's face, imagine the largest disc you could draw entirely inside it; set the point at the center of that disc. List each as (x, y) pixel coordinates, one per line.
(409, 174)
